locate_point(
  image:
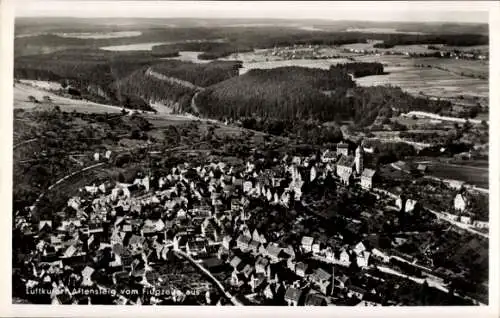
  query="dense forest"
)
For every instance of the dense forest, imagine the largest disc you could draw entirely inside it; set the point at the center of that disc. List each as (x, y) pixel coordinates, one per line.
(324, 95)
(360, 69)
(176, 96)
(198, 74)
(117, 78)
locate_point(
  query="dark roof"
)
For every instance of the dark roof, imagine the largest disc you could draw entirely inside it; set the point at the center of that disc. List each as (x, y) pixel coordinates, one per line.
(346, 161)
(342, 145)
(321, 274)
(314, 299)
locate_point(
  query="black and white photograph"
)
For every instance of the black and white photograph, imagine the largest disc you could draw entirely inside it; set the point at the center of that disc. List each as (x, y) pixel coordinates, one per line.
(251, 153)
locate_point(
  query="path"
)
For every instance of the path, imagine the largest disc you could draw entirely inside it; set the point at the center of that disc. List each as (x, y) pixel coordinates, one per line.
(24, 142)
(66, 178)
(439, 117)
(207, 273)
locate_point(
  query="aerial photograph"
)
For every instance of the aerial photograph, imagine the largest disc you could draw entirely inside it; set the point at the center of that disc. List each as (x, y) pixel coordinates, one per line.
(250, 154)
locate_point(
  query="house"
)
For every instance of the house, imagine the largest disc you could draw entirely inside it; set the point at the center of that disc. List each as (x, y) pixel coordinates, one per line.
(344, 258)
(254, 246)
(315, 299)
(293, 296)
(243, 241)
(257, 281)
(460, 202)
(227, 242)
(362, 259)
(45, 225)
(306, 243)
(455, 184)
(410, 205)
(328, 156)
(86, 276)
(275, 253)
(262, 265)
(136, 242)
(355, 291)
(342, 149)
(367, 178)
(465, 220)
(301, 269)
(196, 247)
(422, 168)
(236, 263)
(322, 279)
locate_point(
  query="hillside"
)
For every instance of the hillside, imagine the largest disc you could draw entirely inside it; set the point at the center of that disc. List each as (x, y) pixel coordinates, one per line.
(293, 93)
(287, 93)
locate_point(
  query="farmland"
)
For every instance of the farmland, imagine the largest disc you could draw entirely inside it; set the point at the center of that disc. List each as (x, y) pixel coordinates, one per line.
(431, 81)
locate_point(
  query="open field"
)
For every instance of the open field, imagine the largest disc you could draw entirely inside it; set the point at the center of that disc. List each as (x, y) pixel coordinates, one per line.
(322, 64)
(100, 35)
(188, 56)
(430, 81)
(23, 91)
(475, 175)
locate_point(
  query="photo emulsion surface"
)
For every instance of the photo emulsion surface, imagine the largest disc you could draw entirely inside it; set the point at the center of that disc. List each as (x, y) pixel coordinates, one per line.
(246, 154)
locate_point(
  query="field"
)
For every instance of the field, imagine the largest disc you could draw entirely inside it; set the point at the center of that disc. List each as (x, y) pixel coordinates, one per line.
(23, 91)
(475, 175)
(322, 64)
(100, 35)
(430, 81)
(188, 56)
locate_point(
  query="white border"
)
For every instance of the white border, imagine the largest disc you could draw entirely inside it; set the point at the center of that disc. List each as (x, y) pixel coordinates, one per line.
(6, 308)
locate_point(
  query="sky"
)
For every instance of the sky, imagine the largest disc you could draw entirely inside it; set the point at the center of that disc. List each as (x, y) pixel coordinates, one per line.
(411, 11)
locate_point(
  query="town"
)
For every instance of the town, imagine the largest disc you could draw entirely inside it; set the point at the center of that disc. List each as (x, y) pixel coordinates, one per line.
(244, 228)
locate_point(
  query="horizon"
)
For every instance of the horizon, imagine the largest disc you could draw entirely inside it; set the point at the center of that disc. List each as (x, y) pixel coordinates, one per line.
(394, 11)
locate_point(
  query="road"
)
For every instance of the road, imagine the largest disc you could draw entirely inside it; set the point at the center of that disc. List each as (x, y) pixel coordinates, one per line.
(207, 273)
(438, 117)
(466, 227)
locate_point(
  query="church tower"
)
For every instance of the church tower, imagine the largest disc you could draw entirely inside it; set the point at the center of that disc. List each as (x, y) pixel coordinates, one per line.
(358, 160)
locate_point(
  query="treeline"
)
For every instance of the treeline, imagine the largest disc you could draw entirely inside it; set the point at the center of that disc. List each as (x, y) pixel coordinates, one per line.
(211, 50)
(202, 75)
(360, 69)
(391, 40)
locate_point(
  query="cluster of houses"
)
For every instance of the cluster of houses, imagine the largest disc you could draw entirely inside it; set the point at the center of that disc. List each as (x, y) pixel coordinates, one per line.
(114, 233)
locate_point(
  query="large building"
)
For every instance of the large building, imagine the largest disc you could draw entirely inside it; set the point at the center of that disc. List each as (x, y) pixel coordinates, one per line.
(345, 167)
(367, 178)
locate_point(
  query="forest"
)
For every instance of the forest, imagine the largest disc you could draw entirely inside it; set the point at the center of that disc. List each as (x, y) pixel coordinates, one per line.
(202, 75)
(360, 69)
(323, 95)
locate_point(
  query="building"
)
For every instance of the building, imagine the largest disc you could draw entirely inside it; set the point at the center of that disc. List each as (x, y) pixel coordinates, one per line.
(345, 168)
(358, 160)
(460, 202)
(342, 149)
(367, 178)
(322, 279)
(307, 243)
(293, 296)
